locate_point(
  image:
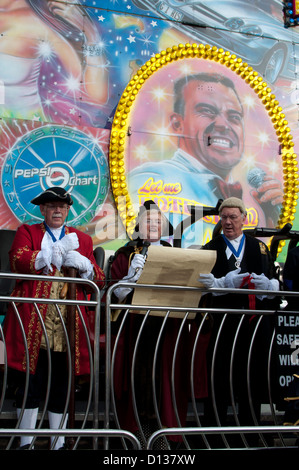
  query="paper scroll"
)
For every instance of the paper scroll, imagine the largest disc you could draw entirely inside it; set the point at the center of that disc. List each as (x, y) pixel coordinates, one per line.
(175, 267)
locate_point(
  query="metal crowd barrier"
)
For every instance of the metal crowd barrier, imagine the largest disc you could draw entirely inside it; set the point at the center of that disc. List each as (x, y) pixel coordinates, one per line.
(206, 431)
(155, 428)
(148, 384)
(91, 405)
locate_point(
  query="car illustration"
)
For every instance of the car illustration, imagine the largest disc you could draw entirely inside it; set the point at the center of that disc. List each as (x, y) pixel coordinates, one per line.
(244, 28)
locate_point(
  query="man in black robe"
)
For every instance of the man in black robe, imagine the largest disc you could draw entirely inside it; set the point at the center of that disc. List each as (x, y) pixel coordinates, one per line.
(242, 262)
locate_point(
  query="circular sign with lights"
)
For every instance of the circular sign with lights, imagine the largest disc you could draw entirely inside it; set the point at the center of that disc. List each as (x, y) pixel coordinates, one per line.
(55, 156)
(180, 146)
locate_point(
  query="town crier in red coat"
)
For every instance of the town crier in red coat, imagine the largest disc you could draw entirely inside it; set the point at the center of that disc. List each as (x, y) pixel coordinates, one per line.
(47, 248)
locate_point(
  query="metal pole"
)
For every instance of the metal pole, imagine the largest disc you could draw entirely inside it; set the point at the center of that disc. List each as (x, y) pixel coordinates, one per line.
(71, 328)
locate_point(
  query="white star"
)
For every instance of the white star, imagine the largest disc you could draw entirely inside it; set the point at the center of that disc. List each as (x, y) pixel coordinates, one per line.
(101, 18)
(146, 40)
(72, 111)
(131, 38)
(72, 83)
(154, 23)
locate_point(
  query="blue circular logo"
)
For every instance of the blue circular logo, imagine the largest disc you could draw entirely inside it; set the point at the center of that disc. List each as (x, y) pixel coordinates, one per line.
(56, 156)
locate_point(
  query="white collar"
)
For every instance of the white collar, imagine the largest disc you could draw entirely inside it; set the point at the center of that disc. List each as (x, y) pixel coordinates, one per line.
(196, 164)
(236, 241)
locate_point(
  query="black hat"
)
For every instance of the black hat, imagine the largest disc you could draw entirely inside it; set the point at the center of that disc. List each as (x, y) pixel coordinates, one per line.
(54, 194)
(149, 206)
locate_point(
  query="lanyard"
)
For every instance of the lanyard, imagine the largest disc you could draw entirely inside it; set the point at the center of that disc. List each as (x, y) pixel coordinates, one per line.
(236, 253)
(62, 233)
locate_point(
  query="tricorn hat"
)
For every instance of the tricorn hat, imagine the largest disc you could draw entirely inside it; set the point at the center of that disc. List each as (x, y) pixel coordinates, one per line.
(54, 194)
(149, 206)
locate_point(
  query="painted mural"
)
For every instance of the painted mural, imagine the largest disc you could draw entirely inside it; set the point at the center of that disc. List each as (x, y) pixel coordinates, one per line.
(66, 68)
(205, 137)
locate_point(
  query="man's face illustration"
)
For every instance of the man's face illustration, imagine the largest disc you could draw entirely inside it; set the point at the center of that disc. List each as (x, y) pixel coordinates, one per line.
(211, 128)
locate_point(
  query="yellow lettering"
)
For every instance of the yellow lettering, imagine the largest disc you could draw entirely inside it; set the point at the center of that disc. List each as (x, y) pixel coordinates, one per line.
(156, 187)
(172, 188)
(151, 187)
(252, 218)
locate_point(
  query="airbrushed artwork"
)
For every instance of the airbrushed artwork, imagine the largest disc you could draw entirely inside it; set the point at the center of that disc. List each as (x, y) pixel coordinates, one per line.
(199, 133)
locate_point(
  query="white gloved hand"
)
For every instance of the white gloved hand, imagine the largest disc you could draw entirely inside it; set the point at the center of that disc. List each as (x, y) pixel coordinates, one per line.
(57, 257)
(260, 281)
(44, 257)
(122, 292)
(74, 259)
(233, 279)
(61, 247)
(68, 242)
(208, 280)
(135, 268)
(133, 275)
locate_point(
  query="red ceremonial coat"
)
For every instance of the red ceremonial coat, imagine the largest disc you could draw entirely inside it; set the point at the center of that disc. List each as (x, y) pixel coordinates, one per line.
(25, 247)
(123, 361)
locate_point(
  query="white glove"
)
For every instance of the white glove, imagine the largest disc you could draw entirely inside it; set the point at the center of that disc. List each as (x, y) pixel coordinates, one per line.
(208, 280)
(233, 279)
(133, 275)
(74, 259)
(44, 257)
(122, 292)
(261, 281)
(62, 247)
(135, 268)
(68, 242)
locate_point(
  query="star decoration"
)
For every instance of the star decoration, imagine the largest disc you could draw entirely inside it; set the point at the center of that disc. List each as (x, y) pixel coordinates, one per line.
(131, 38)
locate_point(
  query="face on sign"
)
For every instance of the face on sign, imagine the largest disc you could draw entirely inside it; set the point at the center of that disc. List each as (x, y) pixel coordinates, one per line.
(211, 126)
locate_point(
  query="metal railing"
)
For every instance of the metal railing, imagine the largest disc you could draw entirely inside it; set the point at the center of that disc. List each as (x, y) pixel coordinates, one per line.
(175, 343)
(92, 397)
(118, 342)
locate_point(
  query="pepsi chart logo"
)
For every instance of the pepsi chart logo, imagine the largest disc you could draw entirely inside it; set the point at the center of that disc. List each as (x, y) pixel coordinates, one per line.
(56, 156)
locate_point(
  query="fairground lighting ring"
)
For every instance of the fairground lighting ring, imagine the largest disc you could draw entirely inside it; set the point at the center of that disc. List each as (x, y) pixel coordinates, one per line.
(120, 126)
